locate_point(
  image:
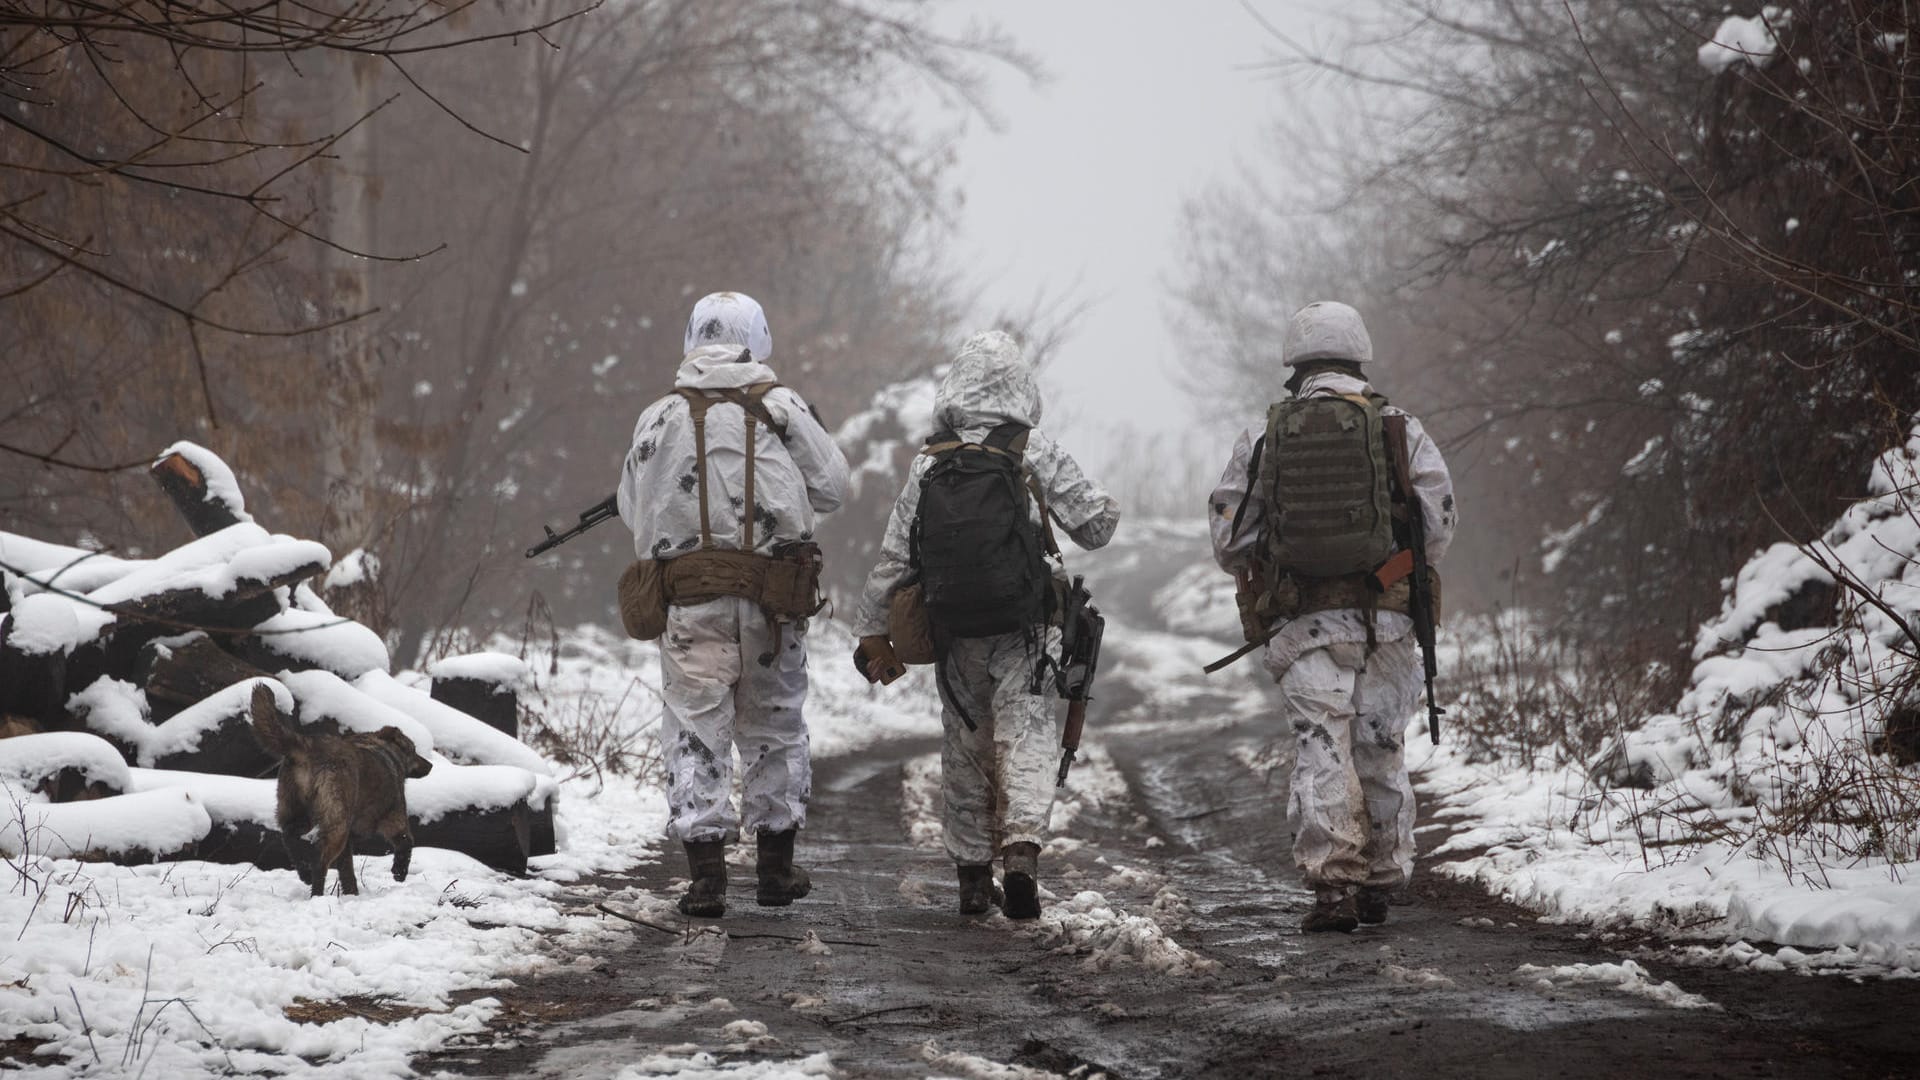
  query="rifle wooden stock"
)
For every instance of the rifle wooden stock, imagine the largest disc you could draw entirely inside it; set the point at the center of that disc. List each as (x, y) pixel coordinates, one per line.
(1070, 738)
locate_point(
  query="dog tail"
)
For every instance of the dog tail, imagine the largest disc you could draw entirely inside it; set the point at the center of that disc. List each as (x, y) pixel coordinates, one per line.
(274, 734)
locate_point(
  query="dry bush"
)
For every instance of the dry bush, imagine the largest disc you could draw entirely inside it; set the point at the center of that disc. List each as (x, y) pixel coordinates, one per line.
(1529, 697)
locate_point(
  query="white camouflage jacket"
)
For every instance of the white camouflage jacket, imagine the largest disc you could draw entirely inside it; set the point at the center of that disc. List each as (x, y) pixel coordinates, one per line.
(796, 476)
(1234, 550)
(989, 384)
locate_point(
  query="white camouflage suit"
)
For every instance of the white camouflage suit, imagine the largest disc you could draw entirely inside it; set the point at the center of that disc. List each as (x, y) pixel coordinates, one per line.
(997, 781)
(1350, 805)
(722, 683)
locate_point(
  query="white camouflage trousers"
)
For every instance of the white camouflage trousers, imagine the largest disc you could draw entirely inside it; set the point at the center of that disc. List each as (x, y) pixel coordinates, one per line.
(997, 780)
(1351, 804)
(723, 686)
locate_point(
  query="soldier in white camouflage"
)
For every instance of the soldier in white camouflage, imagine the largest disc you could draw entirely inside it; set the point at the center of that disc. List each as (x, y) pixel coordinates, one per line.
(731, 675)
(1344, 654)
(1002, 745)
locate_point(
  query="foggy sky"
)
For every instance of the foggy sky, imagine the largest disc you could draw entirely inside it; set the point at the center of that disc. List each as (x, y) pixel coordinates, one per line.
(1080, 195)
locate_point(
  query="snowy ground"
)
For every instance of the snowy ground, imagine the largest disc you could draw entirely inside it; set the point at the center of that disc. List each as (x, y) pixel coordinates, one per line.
(192, 968)
(197, 969)
(1766, 806)
(1553, 841)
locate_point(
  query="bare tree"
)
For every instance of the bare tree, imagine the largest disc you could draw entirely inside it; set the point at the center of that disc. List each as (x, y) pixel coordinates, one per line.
(1655, 278)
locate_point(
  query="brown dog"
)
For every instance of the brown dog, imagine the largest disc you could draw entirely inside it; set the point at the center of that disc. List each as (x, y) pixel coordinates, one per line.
(341, 786)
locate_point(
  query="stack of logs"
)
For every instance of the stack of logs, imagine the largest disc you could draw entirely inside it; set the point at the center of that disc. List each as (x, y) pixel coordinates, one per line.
(182, 646)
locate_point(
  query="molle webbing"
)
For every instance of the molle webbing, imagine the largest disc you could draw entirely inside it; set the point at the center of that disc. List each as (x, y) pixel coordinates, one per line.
(1324, 471)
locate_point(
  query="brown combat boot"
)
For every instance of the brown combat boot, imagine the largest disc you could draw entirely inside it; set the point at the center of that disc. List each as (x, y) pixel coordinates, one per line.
(1372, 903)
(706, 897)
(976, 889)
(781, 882)
(1332, 913)
(1022, 862)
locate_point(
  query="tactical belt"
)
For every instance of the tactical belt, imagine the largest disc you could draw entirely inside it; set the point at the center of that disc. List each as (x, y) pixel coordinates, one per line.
(1389, 588)
(784, 584)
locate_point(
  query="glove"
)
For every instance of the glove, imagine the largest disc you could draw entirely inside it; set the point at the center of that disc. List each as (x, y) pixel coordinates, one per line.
(875, 662)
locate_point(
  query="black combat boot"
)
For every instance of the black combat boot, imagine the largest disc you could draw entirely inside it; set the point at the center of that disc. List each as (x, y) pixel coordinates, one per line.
(976, 889)
(706, 898)
(781, 882)
(1372, 903)
(1332, 912)
(1022, 880)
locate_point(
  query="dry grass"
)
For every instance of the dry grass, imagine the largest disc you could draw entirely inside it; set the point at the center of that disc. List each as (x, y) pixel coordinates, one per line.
(1530, 698)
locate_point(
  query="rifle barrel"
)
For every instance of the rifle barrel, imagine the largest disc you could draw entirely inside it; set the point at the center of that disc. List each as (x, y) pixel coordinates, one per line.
(591, 516)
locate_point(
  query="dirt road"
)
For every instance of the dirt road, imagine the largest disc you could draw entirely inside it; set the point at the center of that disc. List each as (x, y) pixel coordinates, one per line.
(1184, 963)
(1170, 946)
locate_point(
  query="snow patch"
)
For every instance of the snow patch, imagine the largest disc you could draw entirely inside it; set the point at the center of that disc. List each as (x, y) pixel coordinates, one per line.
(1092, 926)
(1752, 39)
(973, 1067)
(1625, 976)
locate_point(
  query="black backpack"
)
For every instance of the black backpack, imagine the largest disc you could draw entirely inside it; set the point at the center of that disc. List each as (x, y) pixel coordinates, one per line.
(979, 553)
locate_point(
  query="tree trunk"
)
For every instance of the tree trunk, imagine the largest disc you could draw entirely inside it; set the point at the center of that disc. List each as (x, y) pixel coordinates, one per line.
(350, 454)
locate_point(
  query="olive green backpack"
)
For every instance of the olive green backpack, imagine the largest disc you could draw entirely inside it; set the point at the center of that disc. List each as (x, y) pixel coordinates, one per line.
(1326, 479)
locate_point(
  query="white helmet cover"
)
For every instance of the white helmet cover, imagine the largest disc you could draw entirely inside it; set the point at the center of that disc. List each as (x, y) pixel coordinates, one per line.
(730, 318)
(1327, 330)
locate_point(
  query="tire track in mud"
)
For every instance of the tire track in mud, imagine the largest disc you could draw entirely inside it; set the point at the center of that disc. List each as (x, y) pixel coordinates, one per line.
(1175, 835)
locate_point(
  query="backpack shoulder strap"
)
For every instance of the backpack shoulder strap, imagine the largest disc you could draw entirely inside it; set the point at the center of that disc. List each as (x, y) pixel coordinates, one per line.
(940, 442)
(754, 400)
(1046, 515)
(1008, 438)
(1253, 481)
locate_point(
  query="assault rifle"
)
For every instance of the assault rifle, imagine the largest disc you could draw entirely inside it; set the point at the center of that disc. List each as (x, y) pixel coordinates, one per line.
(1421, 606)
(591, 516)
(1080, 631)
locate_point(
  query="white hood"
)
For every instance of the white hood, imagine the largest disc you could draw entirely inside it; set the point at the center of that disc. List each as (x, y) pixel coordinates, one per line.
(721, 367)
(989, 384)
(730, 318)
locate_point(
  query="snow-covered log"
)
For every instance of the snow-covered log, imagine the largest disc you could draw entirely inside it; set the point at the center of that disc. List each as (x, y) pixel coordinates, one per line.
(301, 640)
(456, 732)
(201, 487)
(231, 595)
(33, 679)
(135, 828)
(154, 662)
(63, 766)
(177, 672)
(485, 685)
(212, 735)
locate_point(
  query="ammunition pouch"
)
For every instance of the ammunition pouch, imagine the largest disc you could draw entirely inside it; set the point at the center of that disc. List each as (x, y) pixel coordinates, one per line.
(785, 584)
(907, 626)
(1261, 604)
(643, 600)
(792, 589)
